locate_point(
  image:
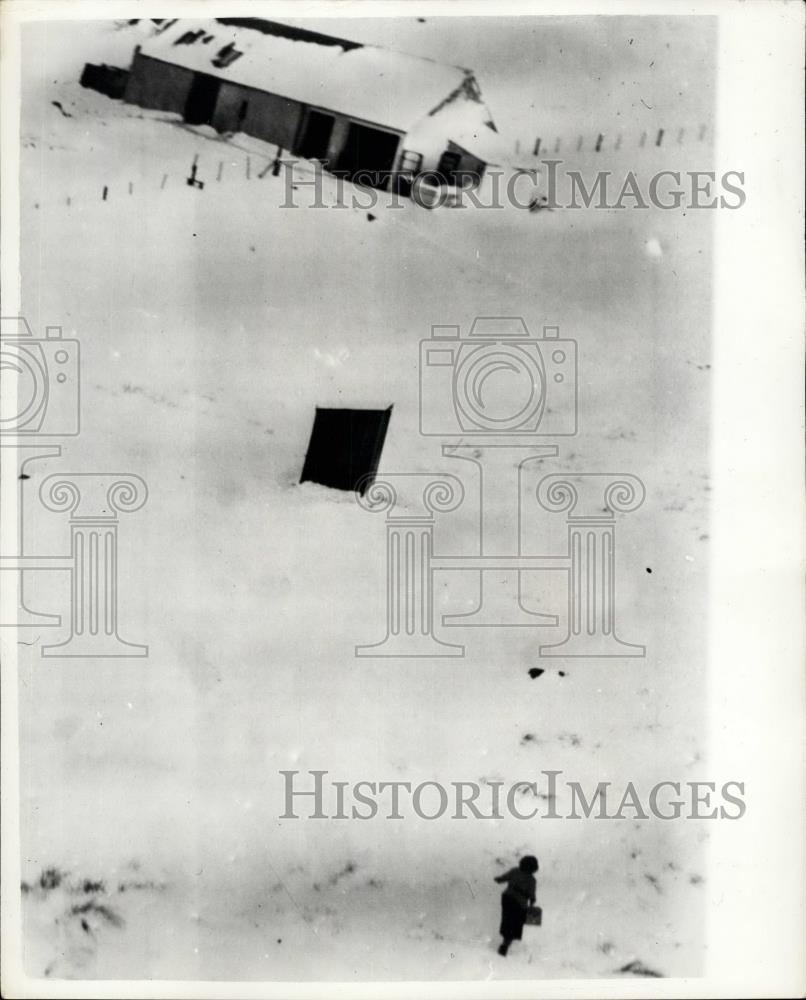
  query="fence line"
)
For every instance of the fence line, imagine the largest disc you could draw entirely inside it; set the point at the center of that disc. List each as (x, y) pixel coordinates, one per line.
(194, 178)
(602, 141)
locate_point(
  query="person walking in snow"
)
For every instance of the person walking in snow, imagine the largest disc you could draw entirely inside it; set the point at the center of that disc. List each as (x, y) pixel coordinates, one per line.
(519, 895)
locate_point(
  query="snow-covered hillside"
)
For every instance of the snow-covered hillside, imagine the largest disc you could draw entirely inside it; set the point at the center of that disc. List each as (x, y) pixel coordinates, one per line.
(212, 323)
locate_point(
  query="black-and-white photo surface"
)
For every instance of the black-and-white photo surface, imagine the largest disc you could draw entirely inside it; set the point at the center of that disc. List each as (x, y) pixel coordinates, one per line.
(360, 455)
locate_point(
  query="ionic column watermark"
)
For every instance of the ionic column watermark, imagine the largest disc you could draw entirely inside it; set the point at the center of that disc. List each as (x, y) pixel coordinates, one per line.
(94, 501)
(409, 562)
(591, 500)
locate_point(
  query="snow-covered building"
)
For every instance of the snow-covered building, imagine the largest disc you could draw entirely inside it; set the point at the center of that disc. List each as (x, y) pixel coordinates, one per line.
(360, 109)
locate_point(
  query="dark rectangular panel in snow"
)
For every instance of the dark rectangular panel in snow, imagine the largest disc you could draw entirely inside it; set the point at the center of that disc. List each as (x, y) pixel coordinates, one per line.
(345, 448)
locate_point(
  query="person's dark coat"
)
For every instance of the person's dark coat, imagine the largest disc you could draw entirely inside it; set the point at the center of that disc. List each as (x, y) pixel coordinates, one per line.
(520, 893)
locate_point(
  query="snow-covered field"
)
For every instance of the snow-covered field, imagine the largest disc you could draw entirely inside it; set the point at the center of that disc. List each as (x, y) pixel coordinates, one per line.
(212, 322)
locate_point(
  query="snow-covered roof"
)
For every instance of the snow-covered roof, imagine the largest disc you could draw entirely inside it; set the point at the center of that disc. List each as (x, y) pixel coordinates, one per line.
(466, 123)
(365, 81)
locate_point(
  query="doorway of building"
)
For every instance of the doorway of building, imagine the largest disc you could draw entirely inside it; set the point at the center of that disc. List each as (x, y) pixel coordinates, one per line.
(368, 156)
(201, 99)
(316, 134)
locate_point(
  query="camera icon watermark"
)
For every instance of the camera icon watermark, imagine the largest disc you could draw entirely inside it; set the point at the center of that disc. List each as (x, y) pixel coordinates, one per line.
(41, 381)
(502, 391)
(41, 402)
(498, 380)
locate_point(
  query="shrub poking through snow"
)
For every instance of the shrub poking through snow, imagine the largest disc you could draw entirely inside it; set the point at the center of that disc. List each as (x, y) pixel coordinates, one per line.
(99, 909)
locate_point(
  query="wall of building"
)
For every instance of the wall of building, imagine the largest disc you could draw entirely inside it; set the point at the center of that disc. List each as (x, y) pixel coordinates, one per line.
(469, 165)
(431, 154)
(164, 86)
(158, 85)
(109, 80)
(339, 135)
(460, 118)
(269, 117)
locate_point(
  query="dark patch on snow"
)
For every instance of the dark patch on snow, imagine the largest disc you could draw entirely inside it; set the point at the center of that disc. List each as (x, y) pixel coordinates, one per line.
(106, 912)
(637, 968)
(348, 869)
(58, 104)
(91, 885)
(653, 881)
(535, 672)
(51, 878)
(540, 204)
(148, 885)
(531, 790)
(23, 475)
